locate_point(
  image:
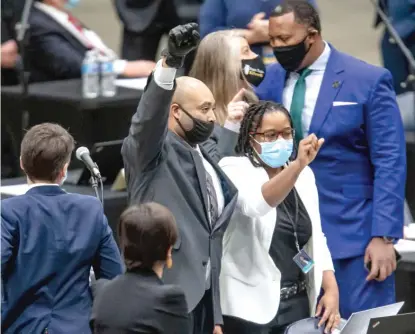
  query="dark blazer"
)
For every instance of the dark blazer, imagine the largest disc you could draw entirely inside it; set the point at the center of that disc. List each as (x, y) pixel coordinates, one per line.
(138, 302)
(49, 241)
(402, 16)
(162, 167)
(147, 16)
(53, 52)
(221, 143)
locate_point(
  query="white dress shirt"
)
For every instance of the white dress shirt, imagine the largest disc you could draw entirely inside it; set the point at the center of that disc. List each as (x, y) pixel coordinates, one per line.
(87, 37)
(313, 84)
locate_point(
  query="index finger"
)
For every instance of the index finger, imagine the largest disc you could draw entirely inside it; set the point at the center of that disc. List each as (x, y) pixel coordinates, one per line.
(374, 271)
(239, 96)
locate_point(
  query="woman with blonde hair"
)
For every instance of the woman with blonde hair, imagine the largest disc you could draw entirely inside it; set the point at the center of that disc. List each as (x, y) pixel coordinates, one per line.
(227, 65)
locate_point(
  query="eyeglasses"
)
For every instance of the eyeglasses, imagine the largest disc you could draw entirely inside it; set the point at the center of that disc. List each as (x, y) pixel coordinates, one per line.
(272, 135)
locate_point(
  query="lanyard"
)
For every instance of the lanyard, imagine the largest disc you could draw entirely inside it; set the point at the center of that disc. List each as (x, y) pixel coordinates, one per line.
(294, 224)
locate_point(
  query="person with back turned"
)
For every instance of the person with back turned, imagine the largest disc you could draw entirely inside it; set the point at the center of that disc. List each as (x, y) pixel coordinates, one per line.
(49, 241)
(138, 301)
(165, 164)
(361, 169)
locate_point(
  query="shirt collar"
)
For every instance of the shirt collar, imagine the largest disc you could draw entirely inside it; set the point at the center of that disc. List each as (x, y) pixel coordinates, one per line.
(52, 11)
(321, 62)
(34, 185)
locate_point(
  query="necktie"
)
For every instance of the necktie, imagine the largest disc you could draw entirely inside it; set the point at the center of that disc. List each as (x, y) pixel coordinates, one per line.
(213, 200)
(78, 25)
(297, 104)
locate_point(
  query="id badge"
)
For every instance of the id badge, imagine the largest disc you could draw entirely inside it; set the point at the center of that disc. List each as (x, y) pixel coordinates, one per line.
(304, 261)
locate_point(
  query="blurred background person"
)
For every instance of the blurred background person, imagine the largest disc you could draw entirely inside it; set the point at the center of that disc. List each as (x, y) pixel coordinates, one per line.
(144, 23)
(49, 241)
(58, 43)
(401, 14)
(138, 301)
(352, 105)
(251, 20)
(228, 67)
(277, 220)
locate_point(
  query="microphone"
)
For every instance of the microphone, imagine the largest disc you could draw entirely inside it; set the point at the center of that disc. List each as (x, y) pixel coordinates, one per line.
(82, 154)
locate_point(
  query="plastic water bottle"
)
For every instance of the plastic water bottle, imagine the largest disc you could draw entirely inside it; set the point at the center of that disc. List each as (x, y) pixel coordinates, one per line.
(90, 75)
(108, 76)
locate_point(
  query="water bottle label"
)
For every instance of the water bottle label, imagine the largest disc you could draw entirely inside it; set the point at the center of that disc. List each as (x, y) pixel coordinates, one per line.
(90, 68)
(107, 67)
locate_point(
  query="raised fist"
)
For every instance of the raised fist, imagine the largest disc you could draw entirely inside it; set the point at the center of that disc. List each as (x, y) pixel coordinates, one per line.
(182, 40)
(308, 149)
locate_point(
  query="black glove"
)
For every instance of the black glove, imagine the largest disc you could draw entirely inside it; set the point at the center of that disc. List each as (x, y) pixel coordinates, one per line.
(182, 40)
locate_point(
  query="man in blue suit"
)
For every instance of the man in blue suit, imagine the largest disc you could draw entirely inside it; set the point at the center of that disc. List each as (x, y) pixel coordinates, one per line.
(49, 241)
(361, 169)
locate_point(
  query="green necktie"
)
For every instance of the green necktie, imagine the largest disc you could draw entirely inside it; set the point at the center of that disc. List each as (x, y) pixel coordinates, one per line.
(297, 104)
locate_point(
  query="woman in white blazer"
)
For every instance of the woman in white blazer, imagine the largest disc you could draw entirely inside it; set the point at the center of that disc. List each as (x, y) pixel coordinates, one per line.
(263, 290)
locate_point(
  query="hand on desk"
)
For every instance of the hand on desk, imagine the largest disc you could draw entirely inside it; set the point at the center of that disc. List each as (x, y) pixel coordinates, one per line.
(382, 257)
(138, 68)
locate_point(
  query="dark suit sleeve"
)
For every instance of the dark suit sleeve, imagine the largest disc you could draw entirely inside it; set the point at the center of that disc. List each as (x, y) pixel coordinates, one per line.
(221, 143)
(107, 262)
(172, 310)
(9, 241)
(51, 53)
(142, 149)
(386, 140)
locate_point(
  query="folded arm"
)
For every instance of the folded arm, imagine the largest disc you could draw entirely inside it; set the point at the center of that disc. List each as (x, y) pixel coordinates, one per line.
(386, 141)
(143, 146)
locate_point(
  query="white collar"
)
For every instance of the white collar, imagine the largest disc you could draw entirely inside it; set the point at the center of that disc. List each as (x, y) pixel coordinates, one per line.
(321, 62)
(51, 11)
(34, 185)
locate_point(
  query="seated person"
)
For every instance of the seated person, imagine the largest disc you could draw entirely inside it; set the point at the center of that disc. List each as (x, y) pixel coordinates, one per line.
(58, 43)
(138, 301)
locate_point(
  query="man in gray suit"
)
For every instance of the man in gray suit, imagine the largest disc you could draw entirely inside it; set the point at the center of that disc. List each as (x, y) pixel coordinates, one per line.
(165, 164)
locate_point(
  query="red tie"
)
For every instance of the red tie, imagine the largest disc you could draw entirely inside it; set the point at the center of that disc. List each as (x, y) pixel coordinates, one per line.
(78, 25)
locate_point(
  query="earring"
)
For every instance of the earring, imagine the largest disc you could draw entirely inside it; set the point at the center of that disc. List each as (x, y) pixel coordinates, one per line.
(169, 262)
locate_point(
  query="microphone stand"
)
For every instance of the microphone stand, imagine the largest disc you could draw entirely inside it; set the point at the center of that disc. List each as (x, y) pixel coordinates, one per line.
(410, 81)
(22, 39)
(94, 183)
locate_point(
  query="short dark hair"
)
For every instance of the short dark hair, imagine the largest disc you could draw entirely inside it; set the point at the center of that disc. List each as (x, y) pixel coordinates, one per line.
(146, 232)
(304, 12)
(45, 149)
(251, 122)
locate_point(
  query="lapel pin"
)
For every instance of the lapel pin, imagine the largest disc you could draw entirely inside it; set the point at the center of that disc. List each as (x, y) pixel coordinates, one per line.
(336, 84)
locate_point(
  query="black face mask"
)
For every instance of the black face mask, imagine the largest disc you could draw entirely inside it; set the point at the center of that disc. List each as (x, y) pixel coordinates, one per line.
(291, 56)
(200, 132)
(253, 70)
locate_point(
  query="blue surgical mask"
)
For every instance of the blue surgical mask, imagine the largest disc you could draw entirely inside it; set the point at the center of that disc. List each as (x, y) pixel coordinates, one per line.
(276, 153)
(70, 4)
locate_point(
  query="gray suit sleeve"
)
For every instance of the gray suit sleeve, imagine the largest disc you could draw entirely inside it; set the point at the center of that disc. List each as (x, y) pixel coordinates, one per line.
(142, 149)
(221, 143)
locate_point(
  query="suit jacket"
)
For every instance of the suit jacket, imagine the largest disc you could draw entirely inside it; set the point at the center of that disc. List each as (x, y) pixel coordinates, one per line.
(402, 16)
(250, 281)
(147, 16)
(361, 167)
(49, 241)
(162, 167)
(139, 302)
(221, 143)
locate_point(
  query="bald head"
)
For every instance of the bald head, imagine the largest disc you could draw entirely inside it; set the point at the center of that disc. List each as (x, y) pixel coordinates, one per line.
(189, 89)
(192, 99)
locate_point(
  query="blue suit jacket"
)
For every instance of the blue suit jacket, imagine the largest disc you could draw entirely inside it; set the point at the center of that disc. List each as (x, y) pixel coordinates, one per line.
(227, 14)
(49, 241)
(361, 168)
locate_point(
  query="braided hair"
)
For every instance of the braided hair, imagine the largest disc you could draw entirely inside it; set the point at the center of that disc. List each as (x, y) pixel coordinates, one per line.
(251, 122)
